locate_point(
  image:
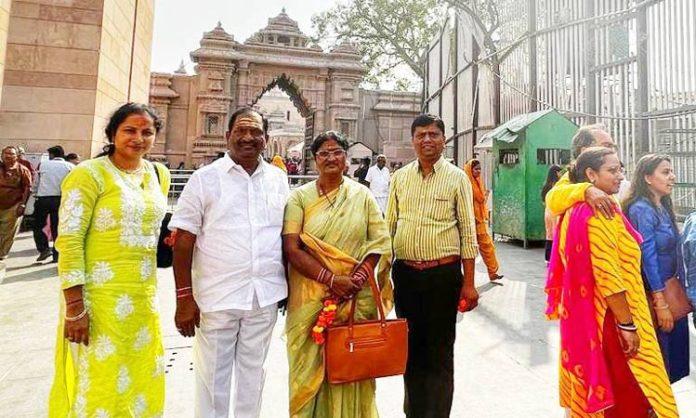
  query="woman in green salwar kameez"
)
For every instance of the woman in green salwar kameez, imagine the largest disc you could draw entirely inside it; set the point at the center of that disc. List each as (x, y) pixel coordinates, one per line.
(332, 234)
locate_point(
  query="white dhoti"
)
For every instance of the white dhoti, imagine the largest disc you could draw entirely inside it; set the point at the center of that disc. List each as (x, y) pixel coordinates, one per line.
(227, 341)
(382, 203)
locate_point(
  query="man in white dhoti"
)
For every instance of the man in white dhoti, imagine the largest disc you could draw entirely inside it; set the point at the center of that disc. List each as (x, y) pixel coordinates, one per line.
(377, 180)
(228, 268)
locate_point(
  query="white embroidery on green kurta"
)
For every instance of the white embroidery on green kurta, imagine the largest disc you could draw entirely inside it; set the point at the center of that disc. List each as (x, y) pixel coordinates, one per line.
(103, 348)
(124, 307)
(71, 213)
(72, 278)
(123, 381)
(102, 413)
(159, 367)
(105, 220)
(101, 273)
(142, 338)
(146, 269)
(139, 405)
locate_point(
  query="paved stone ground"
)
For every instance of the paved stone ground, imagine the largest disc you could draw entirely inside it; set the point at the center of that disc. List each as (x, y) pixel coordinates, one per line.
(506, 353)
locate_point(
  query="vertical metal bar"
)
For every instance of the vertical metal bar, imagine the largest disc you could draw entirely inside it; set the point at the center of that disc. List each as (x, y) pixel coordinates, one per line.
(533, 67)
(590, 39)
(455, 92)
(642, 80)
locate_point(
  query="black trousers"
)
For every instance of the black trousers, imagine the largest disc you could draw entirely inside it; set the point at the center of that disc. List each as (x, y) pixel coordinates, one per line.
(428, 300)
(43, 207)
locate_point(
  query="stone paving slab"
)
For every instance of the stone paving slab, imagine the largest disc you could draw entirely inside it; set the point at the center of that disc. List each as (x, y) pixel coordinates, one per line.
(506, 352)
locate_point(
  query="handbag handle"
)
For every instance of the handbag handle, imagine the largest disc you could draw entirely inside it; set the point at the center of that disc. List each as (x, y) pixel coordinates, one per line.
(378, 301)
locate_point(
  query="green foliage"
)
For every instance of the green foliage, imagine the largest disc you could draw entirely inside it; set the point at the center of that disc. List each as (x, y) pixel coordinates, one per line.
(391, 35)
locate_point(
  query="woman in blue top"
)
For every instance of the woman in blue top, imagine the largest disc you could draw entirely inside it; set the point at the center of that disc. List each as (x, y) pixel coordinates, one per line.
(689, 252)
(649, 208)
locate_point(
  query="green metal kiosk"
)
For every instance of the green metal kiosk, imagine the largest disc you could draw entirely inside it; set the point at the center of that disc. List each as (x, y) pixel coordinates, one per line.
(521, 152)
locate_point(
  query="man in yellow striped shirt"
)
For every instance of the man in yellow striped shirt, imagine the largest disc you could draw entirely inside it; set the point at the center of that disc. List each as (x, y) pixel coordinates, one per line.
(431, 220)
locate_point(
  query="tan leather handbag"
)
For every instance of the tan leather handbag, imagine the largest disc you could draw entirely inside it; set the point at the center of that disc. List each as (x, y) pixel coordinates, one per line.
(366, 349)
(675, 297)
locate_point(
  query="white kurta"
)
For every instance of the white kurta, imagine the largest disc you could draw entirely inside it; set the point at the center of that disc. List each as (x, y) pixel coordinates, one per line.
(379, 185)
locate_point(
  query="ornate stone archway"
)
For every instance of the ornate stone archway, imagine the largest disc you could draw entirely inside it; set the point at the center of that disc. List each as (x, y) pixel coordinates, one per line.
(324, 87)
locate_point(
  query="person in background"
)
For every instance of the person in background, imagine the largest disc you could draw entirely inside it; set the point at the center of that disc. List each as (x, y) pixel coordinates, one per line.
(377, 179)
(73, 158)
(625, 188)
(278, 162)
(564, 194)
(431, 221)
(480, 194)
(109, 359)
(292, 167)
(15, 184)
(689, 255)
(48, 193)
(333, 238)
(228, 268)
(550, 221)
(26, 163)
(650, 209)
(610, 363)
(181, 166)
(361, 172)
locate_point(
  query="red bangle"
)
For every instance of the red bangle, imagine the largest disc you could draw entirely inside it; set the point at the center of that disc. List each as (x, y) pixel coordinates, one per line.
(183, 295)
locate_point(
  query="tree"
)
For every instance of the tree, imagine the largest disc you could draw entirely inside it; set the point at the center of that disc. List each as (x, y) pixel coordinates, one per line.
(390, 34)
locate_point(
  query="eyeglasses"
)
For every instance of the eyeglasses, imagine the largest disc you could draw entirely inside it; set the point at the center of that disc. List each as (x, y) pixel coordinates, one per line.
(421, 136)
(337, 153)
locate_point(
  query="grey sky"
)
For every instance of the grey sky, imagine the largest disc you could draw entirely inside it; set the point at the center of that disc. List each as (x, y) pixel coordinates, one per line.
(180, 24)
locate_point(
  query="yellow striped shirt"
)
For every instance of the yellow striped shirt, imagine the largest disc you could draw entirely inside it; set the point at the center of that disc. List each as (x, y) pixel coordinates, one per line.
(431, 217)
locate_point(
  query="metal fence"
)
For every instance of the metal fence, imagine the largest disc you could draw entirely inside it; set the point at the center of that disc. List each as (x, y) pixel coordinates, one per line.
(629, 64)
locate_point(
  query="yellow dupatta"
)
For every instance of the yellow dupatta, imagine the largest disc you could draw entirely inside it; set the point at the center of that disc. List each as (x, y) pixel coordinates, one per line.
(352, 207)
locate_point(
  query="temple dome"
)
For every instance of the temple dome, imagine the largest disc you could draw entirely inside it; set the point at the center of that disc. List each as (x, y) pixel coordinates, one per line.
(280, 31)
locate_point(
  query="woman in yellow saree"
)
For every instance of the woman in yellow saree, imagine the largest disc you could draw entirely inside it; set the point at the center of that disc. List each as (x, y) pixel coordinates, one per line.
(334, 236)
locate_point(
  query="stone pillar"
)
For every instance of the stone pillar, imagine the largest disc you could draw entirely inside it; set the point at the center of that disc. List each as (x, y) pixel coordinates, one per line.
(161, 96)
(4, 27)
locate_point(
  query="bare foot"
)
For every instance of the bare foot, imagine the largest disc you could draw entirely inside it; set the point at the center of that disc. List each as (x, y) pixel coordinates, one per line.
(496, 277)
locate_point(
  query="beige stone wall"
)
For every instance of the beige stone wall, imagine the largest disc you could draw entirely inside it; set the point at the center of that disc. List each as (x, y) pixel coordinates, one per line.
(4, 26)
(124, 67)
(68, 66)
(50, 68)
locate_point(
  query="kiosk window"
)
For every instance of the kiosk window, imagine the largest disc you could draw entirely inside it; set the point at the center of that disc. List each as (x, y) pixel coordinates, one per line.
(549, 156)
(509, 156)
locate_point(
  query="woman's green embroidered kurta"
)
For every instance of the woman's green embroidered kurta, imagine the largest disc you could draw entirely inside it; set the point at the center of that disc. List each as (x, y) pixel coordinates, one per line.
(107, 241)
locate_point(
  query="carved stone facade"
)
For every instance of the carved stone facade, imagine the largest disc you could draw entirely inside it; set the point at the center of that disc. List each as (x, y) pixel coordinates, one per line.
(323, 86)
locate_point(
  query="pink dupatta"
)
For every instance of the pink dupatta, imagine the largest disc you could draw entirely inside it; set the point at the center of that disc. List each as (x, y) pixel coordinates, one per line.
(570, 293)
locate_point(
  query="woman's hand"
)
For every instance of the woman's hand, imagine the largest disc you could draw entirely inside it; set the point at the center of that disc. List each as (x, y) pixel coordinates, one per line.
(76, 331)
(187, 317)
(344, 287)
(630, 342)
(665, 320)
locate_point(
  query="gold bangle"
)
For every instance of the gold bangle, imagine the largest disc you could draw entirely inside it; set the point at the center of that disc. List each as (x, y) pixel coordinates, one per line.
(665, 306)
(78, 317)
